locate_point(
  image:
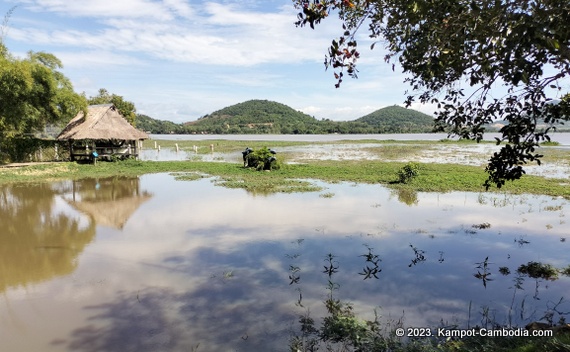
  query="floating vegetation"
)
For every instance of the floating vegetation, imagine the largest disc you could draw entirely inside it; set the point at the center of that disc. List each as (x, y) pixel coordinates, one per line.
(521, 241)
(372, 269)
(188, 176)
(552, 208)
(326, 195)
(483, 272)
(419, 256)
(481, 226)
(504, 270)
(294, 276)
(538, 270)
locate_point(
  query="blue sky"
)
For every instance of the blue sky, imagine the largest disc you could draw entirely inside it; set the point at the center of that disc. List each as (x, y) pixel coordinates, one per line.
(178, 60)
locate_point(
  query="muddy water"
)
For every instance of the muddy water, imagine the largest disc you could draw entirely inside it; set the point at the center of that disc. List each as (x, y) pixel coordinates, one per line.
(155, 264)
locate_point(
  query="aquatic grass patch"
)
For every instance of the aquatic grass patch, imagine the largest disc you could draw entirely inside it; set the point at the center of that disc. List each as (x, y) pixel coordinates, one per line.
(398, 151)
(266, 185)
(433, 177)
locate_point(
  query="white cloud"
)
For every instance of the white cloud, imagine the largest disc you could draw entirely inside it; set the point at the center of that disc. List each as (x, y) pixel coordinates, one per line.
(219, 35)
(102, 9)
(91, 59)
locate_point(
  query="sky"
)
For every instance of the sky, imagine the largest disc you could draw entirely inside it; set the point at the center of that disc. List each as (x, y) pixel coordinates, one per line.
(178, 60)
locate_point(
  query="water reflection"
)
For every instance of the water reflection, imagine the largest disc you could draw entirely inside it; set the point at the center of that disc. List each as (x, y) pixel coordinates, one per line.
(202, 267)
(37, 243)
(108, 201)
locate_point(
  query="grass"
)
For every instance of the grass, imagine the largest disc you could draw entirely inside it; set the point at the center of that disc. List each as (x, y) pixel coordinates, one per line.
(296, 177)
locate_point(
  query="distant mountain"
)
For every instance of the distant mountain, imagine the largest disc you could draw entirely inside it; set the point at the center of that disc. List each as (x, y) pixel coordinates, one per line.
(148, 124)
(396, 119)
(253, 116)
(269, 117)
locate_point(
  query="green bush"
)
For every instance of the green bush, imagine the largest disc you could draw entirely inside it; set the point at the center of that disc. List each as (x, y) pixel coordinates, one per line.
(408, 172)
(262, 159)
(29, 149)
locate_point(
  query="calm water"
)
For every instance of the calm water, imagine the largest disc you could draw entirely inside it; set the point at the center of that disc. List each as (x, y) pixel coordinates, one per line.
(156, 264)
(562, 138)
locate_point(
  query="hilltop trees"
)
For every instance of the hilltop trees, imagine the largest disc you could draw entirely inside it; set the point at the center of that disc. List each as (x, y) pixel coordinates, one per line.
(518, 46)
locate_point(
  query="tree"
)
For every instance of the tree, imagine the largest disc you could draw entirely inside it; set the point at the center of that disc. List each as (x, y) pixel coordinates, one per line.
(126, 108)
(522, 45)
(33, 93)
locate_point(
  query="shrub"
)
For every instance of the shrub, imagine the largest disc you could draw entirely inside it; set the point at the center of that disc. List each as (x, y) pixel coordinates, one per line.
(408, 172)
(262, 159)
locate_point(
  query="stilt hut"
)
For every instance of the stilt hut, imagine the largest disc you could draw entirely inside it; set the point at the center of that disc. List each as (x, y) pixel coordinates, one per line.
(103, 133)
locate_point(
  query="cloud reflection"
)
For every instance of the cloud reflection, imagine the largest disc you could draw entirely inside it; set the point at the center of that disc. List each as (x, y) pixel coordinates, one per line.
(201, 264)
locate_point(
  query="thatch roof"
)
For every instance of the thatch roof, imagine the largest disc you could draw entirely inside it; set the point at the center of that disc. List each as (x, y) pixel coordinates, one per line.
(103, 122)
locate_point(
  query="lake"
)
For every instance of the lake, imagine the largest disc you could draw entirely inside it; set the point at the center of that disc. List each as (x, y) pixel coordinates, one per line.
(466, 154)
(563, 138)
(158, 264)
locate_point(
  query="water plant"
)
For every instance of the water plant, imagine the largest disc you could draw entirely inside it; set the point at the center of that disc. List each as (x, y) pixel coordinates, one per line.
(539, 270)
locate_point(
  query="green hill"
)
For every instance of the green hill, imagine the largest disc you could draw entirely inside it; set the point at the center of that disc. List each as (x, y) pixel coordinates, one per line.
(253, 116)
(396, 119)
(269, 117)
(148, 124)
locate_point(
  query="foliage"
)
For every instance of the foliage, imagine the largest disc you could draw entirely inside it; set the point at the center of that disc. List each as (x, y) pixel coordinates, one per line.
(341, 329)
(262, 159)
(434, 177)
(408, 172)
(263, 116)
(523, 45)
(396, 119)
(126, 108)
(26, 149)
(147, 123)
(254, 116)
(539, 270)
(33, 93)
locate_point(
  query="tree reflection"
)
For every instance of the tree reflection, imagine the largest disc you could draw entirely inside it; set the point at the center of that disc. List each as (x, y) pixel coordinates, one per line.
(36, 243)
(39, 242)
(406, 196)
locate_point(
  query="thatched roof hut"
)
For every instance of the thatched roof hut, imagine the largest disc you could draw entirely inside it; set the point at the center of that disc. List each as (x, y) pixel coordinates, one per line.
(103, 131)
(103, 122)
